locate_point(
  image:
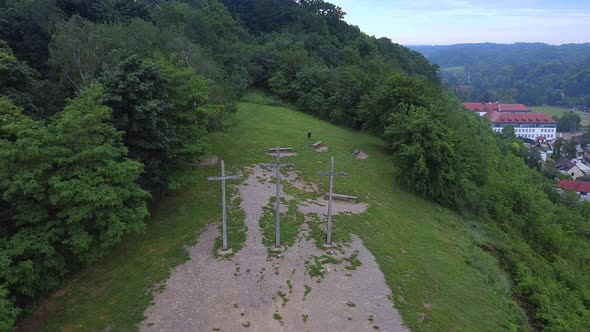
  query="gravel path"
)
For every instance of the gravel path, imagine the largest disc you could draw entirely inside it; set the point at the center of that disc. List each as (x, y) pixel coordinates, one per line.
(254, 292)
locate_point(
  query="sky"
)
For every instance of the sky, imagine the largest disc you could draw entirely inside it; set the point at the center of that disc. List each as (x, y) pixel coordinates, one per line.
(444, 22)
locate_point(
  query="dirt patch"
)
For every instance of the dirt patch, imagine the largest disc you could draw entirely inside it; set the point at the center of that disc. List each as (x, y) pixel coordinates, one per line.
(263, 293)
(308, 187)
(321, 148)
(320, 206)
(210, 161)
(361, 155)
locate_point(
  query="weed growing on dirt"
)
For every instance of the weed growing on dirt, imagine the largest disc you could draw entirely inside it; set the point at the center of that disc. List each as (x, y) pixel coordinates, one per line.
(307, 291)
(236, 227)
(283, 297)
(354, 261)
(290, 225)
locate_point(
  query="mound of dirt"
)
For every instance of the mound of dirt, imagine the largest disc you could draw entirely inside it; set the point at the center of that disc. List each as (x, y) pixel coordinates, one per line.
(361, 156)
(320, 148)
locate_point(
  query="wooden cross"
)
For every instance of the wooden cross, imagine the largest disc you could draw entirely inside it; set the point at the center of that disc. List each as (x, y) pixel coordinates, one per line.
(222, 178)
(278, 167)
(331, 174)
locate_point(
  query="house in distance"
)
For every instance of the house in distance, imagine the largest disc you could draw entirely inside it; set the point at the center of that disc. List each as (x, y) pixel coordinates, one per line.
(526, 124)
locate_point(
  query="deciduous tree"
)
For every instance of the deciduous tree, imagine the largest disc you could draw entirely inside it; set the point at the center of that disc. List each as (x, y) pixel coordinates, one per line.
(69, 192)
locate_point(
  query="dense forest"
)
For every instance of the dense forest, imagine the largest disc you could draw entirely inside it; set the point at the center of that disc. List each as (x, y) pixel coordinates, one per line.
(527, 73)
(104, 102)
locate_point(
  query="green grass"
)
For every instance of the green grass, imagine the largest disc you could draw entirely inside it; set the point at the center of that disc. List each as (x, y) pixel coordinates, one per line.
(427, 253)
(290, 223)
(307, 291)
(559, 111)
(314, 268)
(457, 70)
(284, 298)
(236, 227)
(354, 261)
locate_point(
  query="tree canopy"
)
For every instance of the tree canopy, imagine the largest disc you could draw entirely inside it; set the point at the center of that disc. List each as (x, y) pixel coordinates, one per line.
(527, 73)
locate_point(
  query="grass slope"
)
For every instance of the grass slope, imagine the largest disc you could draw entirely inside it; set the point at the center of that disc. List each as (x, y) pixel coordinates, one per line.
(440, 279)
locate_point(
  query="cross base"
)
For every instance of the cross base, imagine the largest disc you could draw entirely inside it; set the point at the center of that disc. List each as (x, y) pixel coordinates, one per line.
(277, 249)
(222, 252)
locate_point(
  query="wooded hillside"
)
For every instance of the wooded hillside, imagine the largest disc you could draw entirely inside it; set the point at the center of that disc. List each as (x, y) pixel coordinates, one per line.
(105, 102)
(528, 73)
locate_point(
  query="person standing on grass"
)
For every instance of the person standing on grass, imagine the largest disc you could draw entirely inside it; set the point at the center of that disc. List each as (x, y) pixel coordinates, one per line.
(309, 134)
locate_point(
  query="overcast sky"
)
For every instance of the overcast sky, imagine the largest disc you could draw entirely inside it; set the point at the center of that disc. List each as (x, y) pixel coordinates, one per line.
(441, 22)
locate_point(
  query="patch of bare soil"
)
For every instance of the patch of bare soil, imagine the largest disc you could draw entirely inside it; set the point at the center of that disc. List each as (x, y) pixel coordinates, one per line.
(261, 293)
(304, 186)
(361, 155)
(321, 148)
(320, 206)
(210, 161)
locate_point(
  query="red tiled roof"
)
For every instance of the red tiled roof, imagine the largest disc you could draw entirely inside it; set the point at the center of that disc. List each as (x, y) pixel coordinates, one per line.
(578, 186)
(499, 117)
(484, 107)
(481, 107)
(513, 107)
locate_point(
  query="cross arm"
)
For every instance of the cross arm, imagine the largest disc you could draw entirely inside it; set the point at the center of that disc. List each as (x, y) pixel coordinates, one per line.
(331, 173)
(281, 165)
(219, 178)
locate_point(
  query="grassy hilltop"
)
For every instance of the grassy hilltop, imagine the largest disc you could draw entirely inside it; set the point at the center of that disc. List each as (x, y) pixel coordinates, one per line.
(441, 280)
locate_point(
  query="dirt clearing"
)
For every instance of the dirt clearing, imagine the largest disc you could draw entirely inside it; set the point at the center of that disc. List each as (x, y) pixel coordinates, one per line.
(303, 289)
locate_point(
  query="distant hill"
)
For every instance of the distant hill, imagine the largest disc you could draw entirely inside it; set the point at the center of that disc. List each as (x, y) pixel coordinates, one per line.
(529, 73)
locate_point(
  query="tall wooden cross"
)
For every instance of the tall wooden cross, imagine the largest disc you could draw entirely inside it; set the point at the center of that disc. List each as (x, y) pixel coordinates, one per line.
(222, 178)
(331, 174)
(278, 167)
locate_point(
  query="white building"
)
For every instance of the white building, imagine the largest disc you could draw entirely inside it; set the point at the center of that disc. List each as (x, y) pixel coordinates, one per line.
(535, 126)
(526, 124)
